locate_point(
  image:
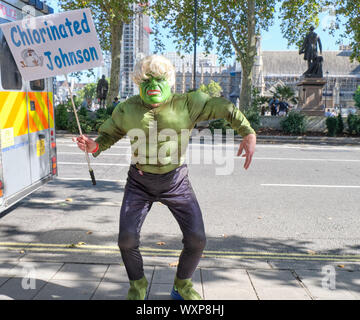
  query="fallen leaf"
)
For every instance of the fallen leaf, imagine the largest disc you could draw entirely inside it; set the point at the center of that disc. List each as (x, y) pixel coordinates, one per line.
(80, 243)
(68, 199)
(89, 232)
(73, 245)
(341, 266)
(174, 264)
(22, 251)
(311, 252)
(160, 243)
(259, 217)
(223, 235)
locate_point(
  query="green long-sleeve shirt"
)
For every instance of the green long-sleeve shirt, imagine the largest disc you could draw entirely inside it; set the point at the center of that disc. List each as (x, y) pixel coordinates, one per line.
(159, 136)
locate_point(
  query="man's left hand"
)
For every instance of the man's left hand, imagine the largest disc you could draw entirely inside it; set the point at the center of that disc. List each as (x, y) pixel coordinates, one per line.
(248, 145)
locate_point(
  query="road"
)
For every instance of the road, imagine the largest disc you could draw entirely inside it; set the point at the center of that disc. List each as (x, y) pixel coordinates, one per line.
(295, 202)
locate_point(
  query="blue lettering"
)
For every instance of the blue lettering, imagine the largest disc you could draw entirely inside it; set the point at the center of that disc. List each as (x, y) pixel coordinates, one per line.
(93, 53)
(86, 55)
(36, 36)
(55, 32)
(42, 33)
(78, 53)
(58, 62)
(84, 24)
(62, 31)
(72, 57)
(48, 54)
(23, 36)
(28, 31)
(16, 43)
(64, 57)
(76, 25)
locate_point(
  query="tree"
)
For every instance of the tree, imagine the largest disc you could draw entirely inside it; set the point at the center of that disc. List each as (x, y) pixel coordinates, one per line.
(357, 97)
(88, 92)
(297, 16)
(286, 93)
(228, 25)
(213, 89)
(109, 18)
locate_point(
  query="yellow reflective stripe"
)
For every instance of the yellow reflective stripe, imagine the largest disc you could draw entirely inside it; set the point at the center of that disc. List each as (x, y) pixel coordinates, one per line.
(51, 109)
(40, 117)
(13, 112)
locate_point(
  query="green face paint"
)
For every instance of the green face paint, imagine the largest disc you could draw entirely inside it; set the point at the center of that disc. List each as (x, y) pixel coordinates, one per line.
(154, 90)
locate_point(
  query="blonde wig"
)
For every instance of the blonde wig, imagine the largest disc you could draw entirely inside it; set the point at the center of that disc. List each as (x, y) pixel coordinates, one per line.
(157, 66)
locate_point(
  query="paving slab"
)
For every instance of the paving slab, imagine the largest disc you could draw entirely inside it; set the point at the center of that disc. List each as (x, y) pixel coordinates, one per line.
(78, 271)
(167, 275)
(163, 281)
(108, 290)
(344, 285)
(314, 265)
(227, 284)
(37, 270)
(67, 290)
(277, 285)
(19, 288)
(117, 273)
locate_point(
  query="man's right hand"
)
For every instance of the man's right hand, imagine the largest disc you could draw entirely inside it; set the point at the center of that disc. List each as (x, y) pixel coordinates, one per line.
(86, 144)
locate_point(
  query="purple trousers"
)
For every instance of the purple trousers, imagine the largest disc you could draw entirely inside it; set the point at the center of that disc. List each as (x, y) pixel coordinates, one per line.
(174, 190)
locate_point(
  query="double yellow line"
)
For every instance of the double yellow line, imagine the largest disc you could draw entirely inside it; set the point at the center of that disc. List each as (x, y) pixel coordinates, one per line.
(86, 248)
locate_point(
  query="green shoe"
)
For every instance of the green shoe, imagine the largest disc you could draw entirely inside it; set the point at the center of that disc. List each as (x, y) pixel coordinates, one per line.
(183, 290)
(137, 289)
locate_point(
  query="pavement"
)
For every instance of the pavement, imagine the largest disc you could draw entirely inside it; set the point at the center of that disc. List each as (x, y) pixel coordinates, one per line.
(50, 254)
(24, 279)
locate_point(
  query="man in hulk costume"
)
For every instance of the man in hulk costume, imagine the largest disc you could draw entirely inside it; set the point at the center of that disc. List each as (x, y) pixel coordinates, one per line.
(158, 171)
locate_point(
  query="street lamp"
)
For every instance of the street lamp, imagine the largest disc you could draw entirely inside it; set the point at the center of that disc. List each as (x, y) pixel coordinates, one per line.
(195, 40)
(326, 90)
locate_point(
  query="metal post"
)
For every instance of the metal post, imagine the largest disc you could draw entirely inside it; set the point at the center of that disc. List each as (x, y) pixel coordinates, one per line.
(195, 40)
(326, 90)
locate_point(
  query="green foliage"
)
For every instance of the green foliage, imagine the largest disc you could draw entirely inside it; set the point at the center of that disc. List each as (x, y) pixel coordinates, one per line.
(353, 122)
(331, 124)
(89, 121)
(213, 89)
(357, 97)
(297, 17)
(226, 26)
(339, 124)
(253, 117)
(61, 117)
(335, 125)
(88, 92)
(294, 123)
(286, 93)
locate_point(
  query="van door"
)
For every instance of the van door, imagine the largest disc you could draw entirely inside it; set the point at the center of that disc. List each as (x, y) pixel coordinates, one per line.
(14, 138)
(39, 135)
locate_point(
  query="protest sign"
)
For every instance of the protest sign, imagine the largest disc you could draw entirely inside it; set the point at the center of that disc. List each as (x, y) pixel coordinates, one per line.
(54, 44)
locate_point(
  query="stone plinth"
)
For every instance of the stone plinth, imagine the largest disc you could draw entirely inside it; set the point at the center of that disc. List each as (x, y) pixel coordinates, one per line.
(311, 96)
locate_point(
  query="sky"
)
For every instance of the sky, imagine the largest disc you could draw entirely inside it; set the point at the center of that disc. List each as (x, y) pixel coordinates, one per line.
(272, 40)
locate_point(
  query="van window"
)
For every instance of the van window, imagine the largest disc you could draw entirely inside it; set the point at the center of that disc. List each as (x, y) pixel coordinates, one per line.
(37, 85)
(10, 75)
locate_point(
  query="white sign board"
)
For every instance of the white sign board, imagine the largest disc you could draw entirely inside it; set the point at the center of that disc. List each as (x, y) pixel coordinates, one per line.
(54, 44)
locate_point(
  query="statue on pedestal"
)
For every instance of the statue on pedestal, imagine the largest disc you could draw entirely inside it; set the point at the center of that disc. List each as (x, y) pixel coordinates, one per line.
(102, 90)
(310, 50)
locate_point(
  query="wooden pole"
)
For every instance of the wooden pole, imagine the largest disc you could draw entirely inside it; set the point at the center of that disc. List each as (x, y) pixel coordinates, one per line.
(80, 131)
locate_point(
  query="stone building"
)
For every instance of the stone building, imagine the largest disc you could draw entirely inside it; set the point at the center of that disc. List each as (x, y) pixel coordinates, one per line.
(207, 69)
(342, 76)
